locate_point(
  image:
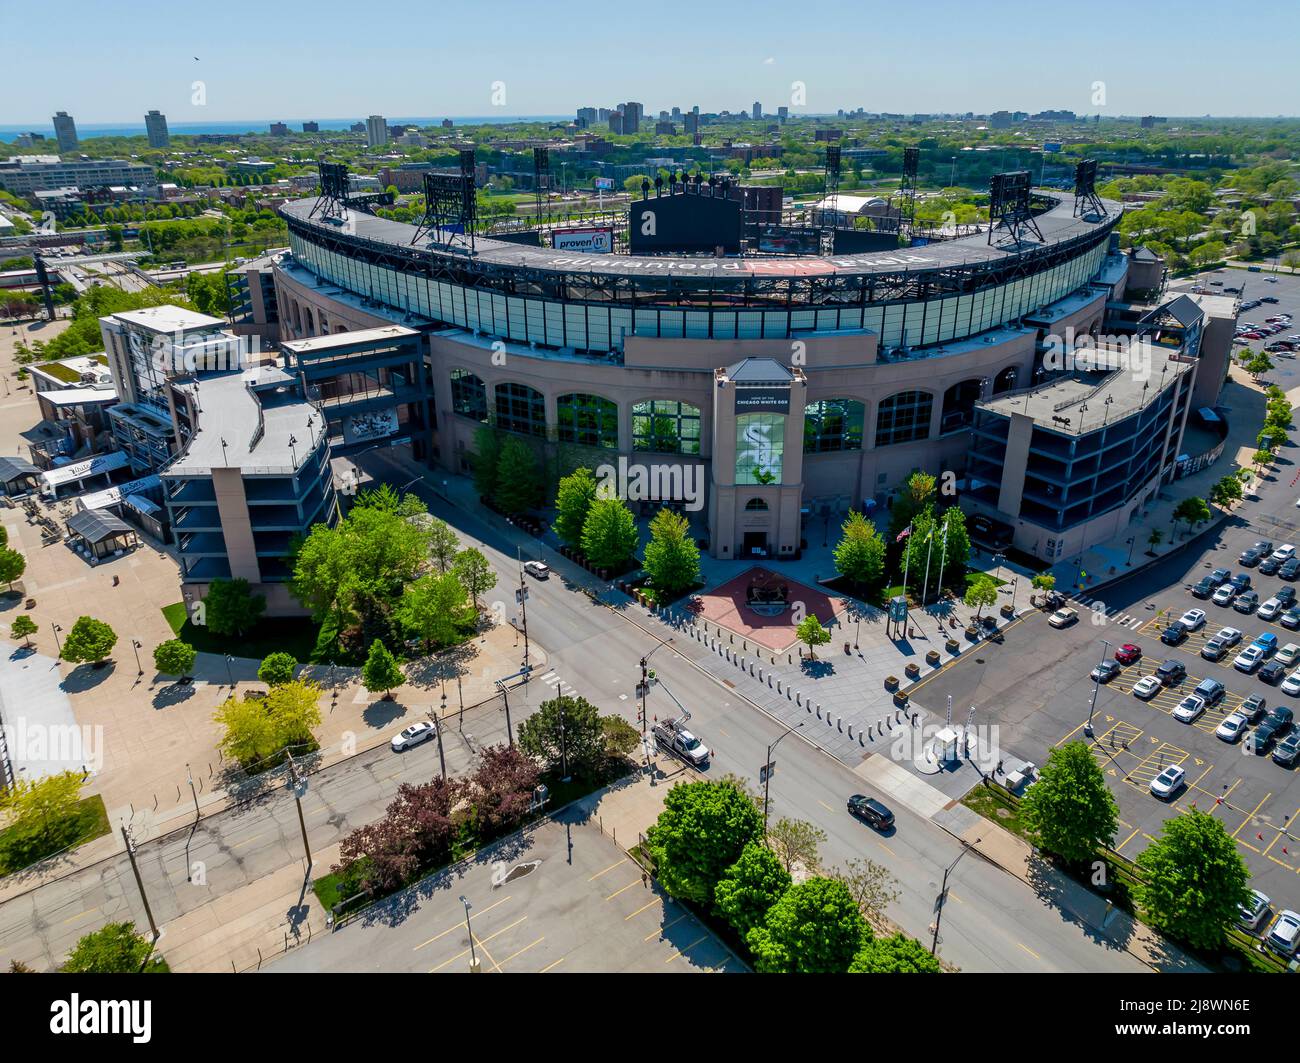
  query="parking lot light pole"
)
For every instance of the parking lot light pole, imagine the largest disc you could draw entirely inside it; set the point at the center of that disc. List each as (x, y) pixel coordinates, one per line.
(473, 956)
(767, 772)
(943, 892)
(1131, 543)
(135, 646)
(1096, 685)
(437, 733)
(56, 629)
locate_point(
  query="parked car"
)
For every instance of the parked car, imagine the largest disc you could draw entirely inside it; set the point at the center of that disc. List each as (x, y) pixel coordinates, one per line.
(412, 736)
(1291, 618)
(1250, 557)
(1174, 633)
(1284, 936)
(1232, 727)
(1171, 672)
(1210, 691)
(1291, 685)
(1146, 688)
(1221, 576)
(1287, 750)
(1189, 709)
(1272, 673)
(1166, 784)
(1284, 552)
(871, 811)
(1267, 642)
(1128, 653)
(1252, 913)
(1063, 617)
(1246, 602)
(1271, 609)
(1224, 595)
(1276, 725)
(1105, 672)
(1193, 619)
(1240, 582)
(1248, 659)
(1214, 650)
(1269, 566)
(1254, 708)
(537, 569)
(1290, 570)
(1204, 587)
(1289, 654)
(1286, 595)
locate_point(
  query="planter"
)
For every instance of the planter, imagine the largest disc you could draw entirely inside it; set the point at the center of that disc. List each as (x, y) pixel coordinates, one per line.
(900, 699)
(932, 657)
(848, 649)
(1007, 610)
(973, 633)
(912, 671)
(891, 682)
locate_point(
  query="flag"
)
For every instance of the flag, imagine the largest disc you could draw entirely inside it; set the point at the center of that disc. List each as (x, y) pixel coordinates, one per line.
(930, 537)
(904, 534)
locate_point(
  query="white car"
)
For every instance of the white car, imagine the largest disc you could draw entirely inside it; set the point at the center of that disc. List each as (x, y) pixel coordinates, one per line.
(1291, 684)
(412, 736)
(1189, 709)
(1234, 725)
(1063, 617)
(1168, 781)
(1225, 594)
(1271, 609)
(1285, 934)
(1229, 636)
(1288, 654)
(537, 569)
(1193, 619)
(1284, 552)
(1146, 687)
(1248, 659)
(1252, 913)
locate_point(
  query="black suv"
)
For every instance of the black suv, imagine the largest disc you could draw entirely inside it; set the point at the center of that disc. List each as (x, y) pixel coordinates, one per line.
(871, 811)
(1251, 556)
(1285, 595)
(1204, 587)
(1174, 633)
(1277, 724)
(1241, 581)
(1269, 566)
(1287, 750)
(1171, 672)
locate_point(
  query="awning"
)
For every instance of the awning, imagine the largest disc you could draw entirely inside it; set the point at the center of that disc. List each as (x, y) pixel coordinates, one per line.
(96, 525)
(80, 470)
(14, 468)
(113, 495)
(80, 397)
(141, 504)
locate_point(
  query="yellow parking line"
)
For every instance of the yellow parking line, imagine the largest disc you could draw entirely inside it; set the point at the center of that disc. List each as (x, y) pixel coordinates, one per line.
(550, 965)
(623, 890)
(607, 870)
(825, 805)
(456, 925)
(1127, 840)
(1029, 950)
(660, 931)
(521, 951)
(479, 943)
(682, 952)
(641, 909)
(1252, 815)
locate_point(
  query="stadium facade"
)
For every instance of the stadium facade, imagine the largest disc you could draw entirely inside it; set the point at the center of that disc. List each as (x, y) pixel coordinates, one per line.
(799, 385)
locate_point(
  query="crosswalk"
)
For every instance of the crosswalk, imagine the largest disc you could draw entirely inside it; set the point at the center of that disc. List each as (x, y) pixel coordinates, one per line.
(553, 680)
(1112, 614)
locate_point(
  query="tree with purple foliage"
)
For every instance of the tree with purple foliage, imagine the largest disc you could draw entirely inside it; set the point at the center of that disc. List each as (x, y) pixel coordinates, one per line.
(502, 788)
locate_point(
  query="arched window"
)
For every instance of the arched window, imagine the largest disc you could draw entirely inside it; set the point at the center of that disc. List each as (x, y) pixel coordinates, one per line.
(309, 322)
(468, 395)
(903, 418)
(521, 409)
(1005, 380)
(832, 424)
(666, 426)
(756, 505)
(588, 420)
(959, 405)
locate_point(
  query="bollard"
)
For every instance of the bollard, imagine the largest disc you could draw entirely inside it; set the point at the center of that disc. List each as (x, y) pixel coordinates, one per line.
(860, 742)
(850, 730)
(760, 673)
(769, 680)
(798, 699)
(839, 726)
(787, 693)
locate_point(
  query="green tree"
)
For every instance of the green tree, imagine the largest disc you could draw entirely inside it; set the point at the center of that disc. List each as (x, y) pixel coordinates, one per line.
(12, 566)
(41, 816)
(1192, 511)
(277, 668)
(475, 574)
(871, 886)
(952, 544)
(916, 496)
(518, 477)
(1193, 880)
(1044, 582)
(860, 553)
(701, 832)
(113, 949)
(487, 451)
(381, 670)
(1070, 811)
(573, 499)
(443, 545)
(894, 955)
(796, 842)
(982, 592)
(749, 887)
(23, 627)
(257, 729)
(609, 534)
(1226, 491)
(566, 730)
(435, 608)
(231, 608)
(89, 641)
(811, 633)
(174, 657)
(1154, 539)
(815, 928)
(672, 559)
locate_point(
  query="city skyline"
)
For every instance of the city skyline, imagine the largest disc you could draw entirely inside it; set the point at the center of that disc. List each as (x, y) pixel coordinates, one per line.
(988, 65)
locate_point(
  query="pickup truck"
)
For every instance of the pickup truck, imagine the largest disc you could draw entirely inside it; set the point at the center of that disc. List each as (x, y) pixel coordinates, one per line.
(673, 736)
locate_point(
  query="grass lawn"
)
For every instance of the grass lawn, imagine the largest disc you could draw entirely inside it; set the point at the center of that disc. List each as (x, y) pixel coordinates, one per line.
(992, 805)
(93, 823)
(295, 635)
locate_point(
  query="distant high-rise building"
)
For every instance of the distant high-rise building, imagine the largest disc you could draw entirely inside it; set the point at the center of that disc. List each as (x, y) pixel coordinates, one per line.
(1150, 121)
(783, 113)
(617, 122)
(693, 121)
(758, 110)
(279, 129)
(587, 114)
(447, 123)
(66, 131)
(376, 131)
(357, 127)
(155, 125)
(677, 114)
(632, 115)
(311, 127)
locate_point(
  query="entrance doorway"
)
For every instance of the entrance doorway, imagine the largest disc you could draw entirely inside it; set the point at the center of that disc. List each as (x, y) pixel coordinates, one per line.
(755, 544)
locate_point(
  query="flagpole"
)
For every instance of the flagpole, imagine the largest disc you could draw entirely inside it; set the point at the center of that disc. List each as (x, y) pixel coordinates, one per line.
(907, 556)
(925, 586)
(943, 552)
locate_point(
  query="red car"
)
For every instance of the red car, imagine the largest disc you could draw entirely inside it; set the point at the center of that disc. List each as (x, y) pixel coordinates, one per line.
(1128, 653)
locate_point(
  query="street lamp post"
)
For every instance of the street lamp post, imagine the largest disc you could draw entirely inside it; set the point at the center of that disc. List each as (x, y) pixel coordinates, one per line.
(767, 772)
(299, 785)
(56, 629)
(1131, 542)
(135, 646)
(1096, 684)
(473, 956)
(437, 733)
(943, 892)
(229, 672)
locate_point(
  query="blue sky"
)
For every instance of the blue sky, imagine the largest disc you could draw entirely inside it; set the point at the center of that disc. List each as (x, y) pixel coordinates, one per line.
(325, 59)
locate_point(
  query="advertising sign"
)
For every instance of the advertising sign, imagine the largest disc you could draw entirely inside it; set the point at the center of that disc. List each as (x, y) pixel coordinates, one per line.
(760, 448)
(762, 400)
(604, 184)
(374, 425)
(591, 241)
